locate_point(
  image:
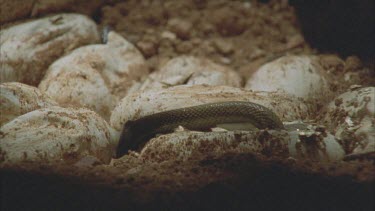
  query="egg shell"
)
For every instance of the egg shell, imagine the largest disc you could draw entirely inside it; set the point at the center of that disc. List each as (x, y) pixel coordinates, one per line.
(140, 104)
(28, 49)
(327, 149)
(56, 134)
(190, 70)
(186, 145)
(95, 76)
(79, 87)
(301, 76)
(17, 99)
(351, 116)
(20, 9)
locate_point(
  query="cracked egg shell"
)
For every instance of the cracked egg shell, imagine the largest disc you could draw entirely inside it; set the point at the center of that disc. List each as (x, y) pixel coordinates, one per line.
(300, 76)
(17, 99)
(313, 145)
(56, 134)
(95, 76)
(190, 70)
(141, 104)
(28, 49)
(351, 116)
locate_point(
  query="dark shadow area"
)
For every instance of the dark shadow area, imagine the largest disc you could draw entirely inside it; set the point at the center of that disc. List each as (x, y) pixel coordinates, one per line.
(274, 188)
(342, 26)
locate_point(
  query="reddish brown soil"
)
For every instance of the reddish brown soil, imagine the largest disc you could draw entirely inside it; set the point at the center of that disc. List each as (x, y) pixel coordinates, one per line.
(240, 34)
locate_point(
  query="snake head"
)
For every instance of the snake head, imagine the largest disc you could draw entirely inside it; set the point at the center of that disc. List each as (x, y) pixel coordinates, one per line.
(125, 139)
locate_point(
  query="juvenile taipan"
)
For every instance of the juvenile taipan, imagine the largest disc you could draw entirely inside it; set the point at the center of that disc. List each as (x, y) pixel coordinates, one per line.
(202, 117)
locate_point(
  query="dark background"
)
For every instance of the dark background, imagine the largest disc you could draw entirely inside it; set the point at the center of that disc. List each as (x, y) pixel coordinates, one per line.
(342, 26)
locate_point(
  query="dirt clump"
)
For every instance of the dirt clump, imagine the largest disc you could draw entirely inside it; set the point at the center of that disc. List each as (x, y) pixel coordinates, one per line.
(235, 33)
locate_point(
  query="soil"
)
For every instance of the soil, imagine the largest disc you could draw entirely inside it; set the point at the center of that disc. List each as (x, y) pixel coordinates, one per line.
(226, 182)
(242, 35)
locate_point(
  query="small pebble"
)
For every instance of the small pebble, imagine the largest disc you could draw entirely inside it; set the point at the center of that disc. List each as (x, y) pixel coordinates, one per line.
(181, 28)
(222, 46)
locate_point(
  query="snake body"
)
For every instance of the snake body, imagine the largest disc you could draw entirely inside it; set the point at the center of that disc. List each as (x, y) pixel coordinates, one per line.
(201, 117)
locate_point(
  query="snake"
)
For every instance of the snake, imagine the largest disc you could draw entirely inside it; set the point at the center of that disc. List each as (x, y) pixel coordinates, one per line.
(202, 117)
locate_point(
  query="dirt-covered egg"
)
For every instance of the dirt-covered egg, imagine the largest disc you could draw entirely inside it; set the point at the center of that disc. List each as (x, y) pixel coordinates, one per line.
(313, 142)
(95, 76)
(140, 104)
(184, 145)
(300, 76)
(351, 116)
(307, 143)
(15, 10)
(56, 134)
(28, 49)
(191, 70)
(17, 99)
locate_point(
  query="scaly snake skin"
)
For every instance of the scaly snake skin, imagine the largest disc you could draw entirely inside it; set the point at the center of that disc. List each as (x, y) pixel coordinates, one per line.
(201, 117)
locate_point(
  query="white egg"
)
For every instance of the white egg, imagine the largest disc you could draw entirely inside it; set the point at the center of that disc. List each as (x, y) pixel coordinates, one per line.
(28, 49)
(140, 104)
(190, 70)
(309, 143)
(13, 10)
(300, 76)
(351, 116)
(56, 134)
(189, 144)
(95, 76)
(17, 99)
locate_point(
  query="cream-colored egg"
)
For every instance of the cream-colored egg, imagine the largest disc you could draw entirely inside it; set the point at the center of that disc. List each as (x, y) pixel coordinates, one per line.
(185, 145)
(351, 116)
(56, 134)
(140, 104)
(300, 76)
(313, 143)
(79, 87)
(18, 10)
(28, 49)
(95, 76)
(17, 99)
(190, 70)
